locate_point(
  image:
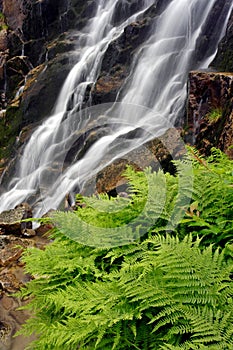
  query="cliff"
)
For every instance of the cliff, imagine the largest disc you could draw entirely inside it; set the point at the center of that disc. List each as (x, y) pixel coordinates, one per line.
(210, 113)
(224, 59)
(37, 45)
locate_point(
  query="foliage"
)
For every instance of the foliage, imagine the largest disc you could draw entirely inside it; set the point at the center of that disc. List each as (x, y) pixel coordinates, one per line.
(214, 115)
(210, 214)
(167, 289)
(3, 25)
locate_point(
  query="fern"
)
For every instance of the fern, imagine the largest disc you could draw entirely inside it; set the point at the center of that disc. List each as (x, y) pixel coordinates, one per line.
(113, 278)
(173, 293)
(211, 213)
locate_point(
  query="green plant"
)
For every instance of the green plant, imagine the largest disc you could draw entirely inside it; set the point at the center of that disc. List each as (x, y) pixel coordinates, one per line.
(158, 294)
(210, 214)
(214, 115)
(162, 291)
(3, 25)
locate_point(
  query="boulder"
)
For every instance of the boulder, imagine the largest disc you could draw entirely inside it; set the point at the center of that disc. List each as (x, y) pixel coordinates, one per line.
(10, 220)
(156, 154)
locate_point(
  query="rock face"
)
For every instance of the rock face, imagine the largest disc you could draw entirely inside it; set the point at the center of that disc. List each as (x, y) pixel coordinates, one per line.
(120, 53)
(37, 48)
(223, 61)
(210, 111)
(33, 51)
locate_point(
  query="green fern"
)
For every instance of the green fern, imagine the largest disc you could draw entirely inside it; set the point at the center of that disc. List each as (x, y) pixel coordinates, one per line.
(211, 212)
(173, 293)
(113, 278)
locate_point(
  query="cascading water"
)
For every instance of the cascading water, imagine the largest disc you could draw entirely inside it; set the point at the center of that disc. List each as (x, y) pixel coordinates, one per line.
(157, 81)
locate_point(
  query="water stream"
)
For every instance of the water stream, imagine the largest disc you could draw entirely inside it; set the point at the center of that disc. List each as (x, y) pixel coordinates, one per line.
(152, 99)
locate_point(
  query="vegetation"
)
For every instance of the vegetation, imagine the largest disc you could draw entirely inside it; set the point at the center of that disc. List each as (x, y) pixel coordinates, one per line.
(214, 115)
(154, 272)
(3, 25)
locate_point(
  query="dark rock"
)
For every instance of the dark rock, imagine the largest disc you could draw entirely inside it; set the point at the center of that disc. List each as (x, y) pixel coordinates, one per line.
(35, 50)
(156, 153)
(18, 65)
(225, 142)
(224, 58)
(117, 60)
(210, 109)
(10, 221)
(28, 232)
(210, 32)
(16, 69)
(46, 227)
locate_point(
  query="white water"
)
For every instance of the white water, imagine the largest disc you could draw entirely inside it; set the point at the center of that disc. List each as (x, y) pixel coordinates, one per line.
(157, 81)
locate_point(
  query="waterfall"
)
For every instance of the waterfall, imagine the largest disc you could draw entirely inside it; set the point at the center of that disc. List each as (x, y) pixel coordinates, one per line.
(151, 99)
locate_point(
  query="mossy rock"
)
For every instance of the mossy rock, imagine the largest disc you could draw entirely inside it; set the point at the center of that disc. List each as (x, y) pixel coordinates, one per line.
(9, 129)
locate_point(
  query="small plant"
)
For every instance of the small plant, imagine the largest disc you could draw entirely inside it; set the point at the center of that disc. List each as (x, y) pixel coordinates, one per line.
(3, 25)
(214, 115)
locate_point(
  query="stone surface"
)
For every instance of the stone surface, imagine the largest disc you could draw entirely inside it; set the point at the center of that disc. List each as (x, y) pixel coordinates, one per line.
(156, 154)
(210, 109)
(12, 278)
(224, 58)
(32, 28)
(42, 34)
(10, 220)
(119, 55)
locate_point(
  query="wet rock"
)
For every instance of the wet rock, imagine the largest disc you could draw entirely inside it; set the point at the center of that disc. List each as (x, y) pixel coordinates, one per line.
(210, 108)
(156, 154)
(223, 61)
(120, 52)
(10, 221)
(16, 69)
(33, 31)
(117, 60)
(46, 227)
(211, 32)
(226, 138)
(28, 232)
(18, 65)
(43, 84)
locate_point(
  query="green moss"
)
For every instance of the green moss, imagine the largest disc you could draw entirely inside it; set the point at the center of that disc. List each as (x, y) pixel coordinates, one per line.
(214, 115)
(9, 129)
(3, 25)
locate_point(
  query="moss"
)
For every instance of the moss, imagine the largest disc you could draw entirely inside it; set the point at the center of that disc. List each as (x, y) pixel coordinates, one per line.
(9, 129)
(224, 60)
(3, 24)
(214, 115)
